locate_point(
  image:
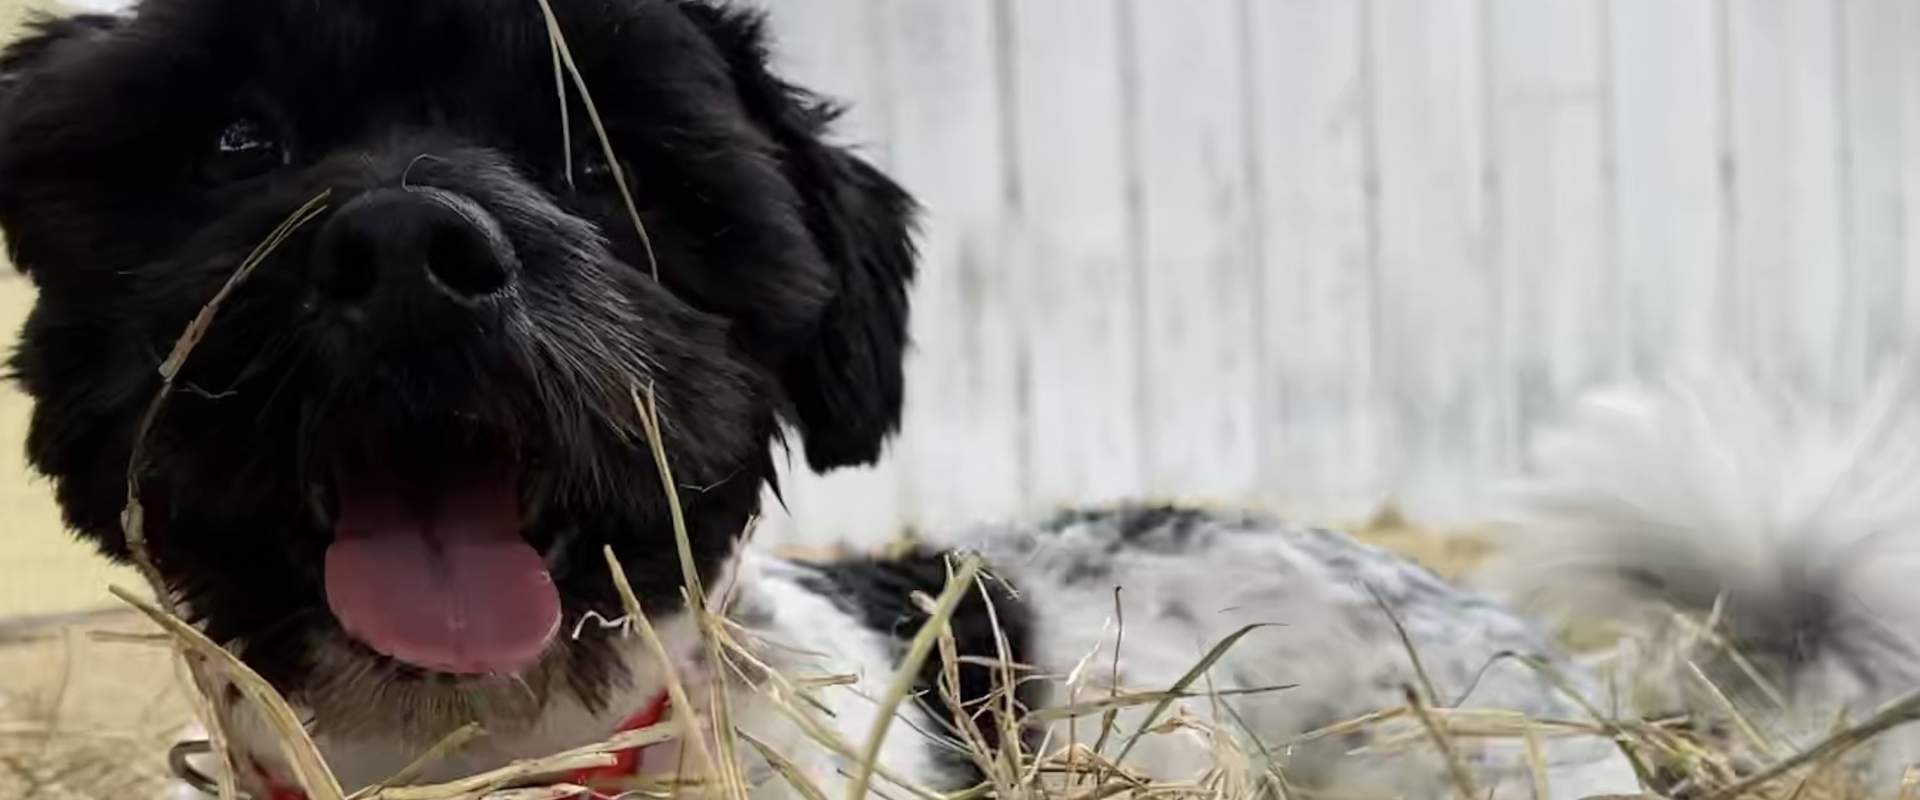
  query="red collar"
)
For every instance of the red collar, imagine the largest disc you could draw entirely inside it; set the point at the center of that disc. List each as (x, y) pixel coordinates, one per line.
(626, 763)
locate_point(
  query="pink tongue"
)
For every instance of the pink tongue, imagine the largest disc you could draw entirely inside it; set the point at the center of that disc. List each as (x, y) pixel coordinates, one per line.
(441, 580)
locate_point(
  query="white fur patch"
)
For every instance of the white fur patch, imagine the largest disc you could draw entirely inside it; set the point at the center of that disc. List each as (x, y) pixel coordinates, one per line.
(1184, 581)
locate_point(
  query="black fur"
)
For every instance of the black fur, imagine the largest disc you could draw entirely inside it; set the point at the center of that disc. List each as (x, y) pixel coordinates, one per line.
(1166, 529)
(847, 391)
(133, 180)
(880, 593)
(1158, 528)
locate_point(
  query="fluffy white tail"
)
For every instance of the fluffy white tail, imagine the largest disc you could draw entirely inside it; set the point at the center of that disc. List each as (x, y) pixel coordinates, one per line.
(1712, 491)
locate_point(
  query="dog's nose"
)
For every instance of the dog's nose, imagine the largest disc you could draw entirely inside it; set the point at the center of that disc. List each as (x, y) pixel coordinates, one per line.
(392, 241)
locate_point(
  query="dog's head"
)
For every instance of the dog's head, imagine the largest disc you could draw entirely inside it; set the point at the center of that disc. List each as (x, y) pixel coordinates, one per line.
(406, 437)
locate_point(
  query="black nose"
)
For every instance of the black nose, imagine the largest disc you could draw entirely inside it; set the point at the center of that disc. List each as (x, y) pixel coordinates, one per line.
(422, 242)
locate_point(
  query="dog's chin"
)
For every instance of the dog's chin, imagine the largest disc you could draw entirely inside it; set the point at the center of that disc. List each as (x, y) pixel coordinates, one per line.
(354, 692)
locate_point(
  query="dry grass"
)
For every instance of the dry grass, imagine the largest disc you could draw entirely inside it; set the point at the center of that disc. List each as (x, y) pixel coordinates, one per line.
(1454, 552)
(81, 717)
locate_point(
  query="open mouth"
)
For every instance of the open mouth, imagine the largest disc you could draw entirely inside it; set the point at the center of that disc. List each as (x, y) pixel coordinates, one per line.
(429, 564)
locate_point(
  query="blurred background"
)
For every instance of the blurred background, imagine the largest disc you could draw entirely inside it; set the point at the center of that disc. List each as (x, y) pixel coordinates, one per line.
(1316, 255)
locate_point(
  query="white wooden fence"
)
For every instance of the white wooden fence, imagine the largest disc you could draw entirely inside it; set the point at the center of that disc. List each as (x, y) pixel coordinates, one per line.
(1319, 253)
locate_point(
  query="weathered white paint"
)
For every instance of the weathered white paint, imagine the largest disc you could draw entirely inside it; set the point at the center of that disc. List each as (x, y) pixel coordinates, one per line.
(1193, 205)
(1873, 202)
(1314, 134)
(1906, 97)
(964, 433)
(1781, 296)
(1321, 253)
(1439, 294)
(1557, 281)
(1073, 249)
(1666, 165)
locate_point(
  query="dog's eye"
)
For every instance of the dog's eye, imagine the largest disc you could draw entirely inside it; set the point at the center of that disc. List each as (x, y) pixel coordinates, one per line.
(246, 148)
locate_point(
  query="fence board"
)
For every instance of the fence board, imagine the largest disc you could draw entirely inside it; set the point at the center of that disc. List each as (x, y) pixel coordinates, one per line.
(963, 444)
(1559, 323)
(1872, 201)
(1665, 59)
(1074, 268)
(1781, 297)
(1908, 100)
(1199, 355)
(1313, 118)
(1438, 300)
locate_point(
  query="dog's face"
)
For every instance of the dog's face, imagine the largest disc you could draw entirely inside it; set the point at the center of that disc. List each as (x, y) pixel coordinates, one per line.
(404, 440)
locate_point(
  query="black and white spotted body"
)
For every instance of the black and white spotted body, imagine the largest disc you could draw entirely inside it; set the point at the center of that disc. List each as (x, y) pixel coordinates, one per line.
(1162, 585)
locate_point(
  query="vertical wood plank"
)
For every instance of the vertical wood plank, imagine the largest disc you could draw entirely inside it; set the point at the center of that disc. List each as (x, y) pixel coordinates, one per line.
(1559, 319)
(1076, 276)
(965, 413)
(836, 48)
(1439, 296)
(1200, 282)
(1782, 286)
(1874, 203)
(1910, 171)
(1668, 178)
(1310, 106)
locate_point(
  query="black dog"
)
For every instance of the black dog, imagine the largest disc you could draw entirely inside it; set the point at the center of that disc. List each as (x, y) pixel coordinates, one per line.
(386, 475)
(426, 398)
(450, 355)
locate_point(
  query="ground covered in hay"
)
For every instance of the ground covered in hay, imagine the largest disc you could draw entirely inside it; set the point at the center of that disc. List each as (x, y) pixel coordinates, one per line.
(84, 714)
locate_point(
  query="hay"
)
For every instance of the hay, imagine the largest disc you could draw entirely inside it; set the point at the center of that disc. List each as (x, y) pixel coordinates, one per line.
(81, 717)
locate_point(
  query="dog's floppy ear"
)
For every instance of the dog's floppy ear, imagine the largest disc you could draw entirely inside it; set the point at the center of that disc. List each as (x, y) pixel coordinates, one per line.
(36, 48)
(42, 37)
(846, 382)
